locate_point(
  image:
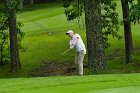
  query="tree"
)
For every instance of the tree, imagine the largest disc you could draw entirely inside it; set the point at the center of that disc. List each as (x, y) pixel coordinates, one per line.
(14, 51)
(96, 53)
(127, 32)
(21, 3)
(31, 2)
(8, 14)
(138, 2)
(135, 12)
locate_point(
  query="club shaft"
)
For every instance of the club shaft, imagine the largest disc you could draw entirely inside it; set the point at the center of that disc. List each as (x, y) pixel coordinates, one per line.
(65, 52)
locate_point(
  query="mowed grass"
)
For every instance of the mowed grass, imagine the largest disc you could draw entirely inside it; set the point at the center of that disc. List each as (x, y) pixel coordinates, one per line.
(45, 37)
(43, 19)
(45, 26)
(42, 46)
(119, 83)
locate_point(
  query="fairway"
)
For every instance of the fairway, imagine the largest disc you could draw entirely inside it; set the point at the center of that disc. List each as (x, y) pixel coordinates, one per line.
(120, 83)
(133, 89)
(42, 62)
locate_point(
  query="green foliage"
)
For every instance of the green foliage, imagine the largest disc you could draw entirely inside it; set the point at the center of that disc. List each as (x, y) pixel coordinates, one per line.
(110, 22)
(134, 12)
(67, 3)
(4, 36)
(12, 5)
(5, 7)
(4, 45)
(20, 36)
(74, 9)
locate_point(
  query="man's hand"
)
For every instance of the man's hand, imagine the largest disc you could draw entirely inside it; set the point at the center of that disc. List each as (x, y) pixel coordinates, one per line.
(75, 41)
(71, 46)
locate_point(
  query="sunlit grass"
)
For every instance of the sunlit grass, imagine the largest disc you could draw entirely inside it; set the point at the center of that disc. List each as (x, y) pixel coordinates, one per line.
(119, 83)
(42, 19)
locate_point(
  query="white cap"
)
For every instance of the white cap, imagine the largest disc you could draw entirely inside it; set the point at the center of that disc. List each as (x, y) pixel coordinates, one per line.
(69, 31)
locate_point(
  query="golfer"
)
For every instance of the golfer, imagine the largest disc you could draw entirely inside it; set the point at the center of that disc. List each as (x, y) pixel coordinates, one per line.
(77, 42)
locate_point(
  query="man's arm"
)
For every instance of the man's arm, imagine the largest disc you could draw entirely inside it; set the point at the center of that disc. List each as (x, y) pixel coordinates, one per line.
(75, 41)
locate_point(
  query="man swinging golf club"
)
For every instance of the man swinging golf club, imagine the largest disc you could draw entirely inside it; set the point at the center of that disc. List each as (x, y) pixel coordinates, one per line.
(77, 42)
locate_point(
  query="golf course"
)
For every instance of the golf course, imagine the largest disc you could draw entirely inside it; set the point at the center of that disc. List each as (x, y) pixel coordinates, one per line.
(47, 68)
(119, 83)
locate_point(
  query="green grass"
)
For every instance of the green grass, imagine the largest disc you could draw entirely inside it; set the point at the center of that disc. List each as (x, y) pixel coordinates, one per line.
(40, 19)
(119, 83)
(40, 45)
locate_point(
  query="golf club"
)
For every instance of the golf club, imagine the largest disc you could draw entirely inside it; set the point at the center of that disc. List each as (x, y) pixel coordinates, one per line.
(65, 52)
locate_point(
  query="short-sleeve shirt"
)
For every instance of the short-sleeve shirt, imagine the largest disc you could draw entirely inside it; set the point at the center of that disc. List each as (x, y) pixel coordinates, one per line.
(79, 44)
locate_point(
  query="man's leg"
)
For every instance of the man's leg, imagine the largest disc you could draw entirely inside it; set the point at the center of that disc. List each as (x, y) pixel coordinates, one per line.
(76, 58)
(80, 62)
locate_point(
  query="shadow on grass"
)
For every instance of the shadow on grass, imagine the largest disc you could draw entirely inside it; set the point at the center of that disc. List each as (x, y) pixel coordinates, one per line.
(40, 6)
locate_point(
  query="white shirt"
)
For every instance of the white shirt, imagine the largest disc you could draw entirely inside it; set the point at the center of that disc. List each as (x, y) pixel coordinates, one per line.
(79, 45)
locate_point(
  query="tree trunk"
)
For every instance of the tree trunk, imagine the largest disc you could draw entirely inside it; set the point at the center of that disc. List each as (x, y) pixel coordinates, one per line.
(21, 4)
(127, 32)
(96, 53)
(138, 2)
(14, 51)
(31, 2)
